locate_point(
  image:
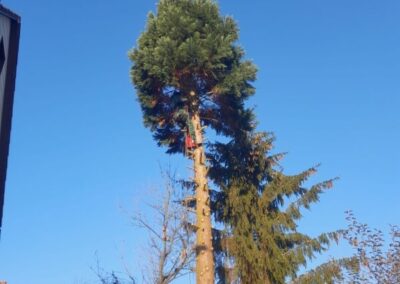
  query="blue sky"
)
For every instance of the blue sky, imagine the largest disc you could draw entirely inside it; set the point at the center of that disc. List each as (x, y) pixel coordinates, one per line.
(328, 87)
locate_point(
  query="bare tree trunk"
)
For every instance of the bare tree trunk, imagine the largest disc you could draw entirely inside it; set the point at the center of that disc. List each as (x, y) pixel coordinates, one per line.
(204, 249)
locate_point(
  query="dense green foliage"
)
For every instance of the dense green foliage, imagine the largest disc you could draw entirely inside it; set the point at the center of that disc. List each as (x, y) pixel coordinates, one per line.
(187, 61)
(260, 206)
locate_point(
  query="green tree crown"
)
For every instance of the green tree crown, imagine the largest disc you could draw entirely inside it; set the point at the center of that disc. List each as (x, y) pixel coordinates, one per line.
(188, 61)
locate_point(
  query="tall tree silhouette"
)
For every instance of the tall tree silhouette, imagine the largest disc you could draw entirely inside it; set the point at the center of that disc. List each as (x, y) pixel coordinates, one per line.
(189, 73)
(261, 207)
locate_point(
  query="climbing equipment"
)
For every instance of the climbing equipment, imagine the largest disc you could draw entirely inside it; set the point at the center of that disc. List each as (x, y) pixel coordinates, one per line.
(190, 137)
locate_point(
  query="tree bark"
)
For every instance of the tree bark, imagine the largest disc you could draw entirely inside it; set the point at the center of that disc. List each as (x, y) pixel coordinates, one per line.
(204, 248)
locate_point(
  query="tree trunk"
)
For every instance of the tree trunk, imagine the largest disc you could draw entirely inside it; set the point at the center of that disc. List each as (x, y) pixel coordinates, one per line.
(204, 249)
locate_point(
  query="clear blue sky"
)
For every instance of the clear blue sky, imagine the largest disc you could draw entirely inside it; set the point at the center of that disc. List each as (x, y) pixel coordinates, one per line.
(328, 86)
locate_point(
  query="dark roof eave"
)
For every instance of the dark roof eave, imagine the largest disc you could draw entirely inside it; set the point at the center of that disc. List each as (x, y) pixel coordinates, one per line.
(8, 13)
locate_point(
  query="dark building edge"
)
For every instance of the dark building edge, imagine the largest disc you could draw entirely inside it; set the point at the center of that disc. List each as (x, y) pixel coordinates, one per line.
(8, 99)
(10, 14)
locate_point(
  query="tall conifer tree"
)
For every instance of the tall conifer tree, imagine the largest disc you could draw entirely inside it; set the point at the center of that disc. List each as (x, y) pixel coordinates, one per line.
(261, 236)
(189, 73)
(260, 207)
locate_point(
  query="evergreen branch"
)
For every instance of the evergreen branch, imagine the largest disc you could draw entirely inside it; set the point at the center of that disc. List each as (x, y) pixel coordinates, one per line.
(302, 247)
(282, 186)
(309, 196)
(329, 272)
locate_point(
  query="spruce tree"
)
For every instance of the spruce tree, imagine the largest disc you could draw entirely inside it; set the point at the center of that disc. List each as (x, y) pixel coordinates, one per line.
(189, 73)
(260, 207)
